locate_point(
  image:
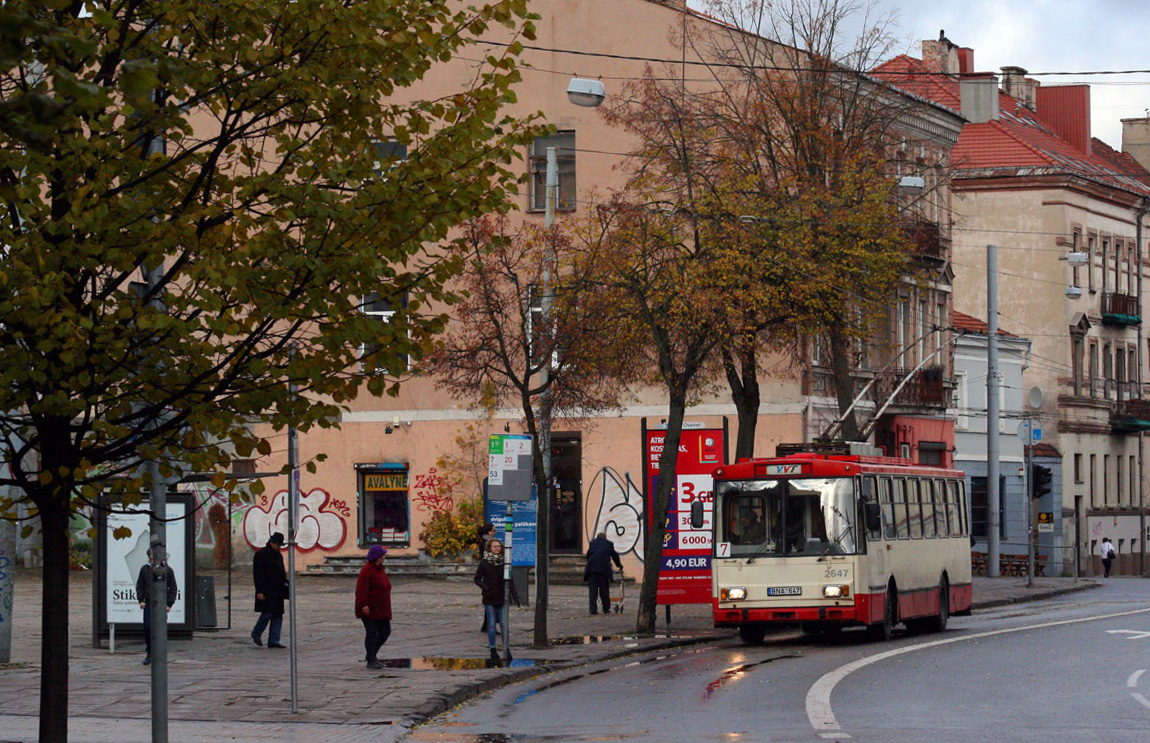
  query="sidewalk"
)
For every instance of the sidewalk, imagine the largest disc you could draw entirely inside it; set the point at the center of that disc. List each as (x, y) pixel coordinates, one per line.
(223, 687)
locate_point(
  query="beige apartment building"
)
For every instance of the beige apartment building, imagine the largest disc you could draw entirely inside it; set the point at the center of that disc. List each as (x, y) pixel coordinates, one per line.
(1065, 212)
(380, 481)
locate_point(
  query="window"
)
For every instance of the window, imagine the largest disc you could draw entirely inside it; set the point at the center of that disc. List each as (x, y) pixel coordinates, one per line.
(1105, 265)
(1107, 370)
(980, 507)
(931, 452)
(914, 509)
(1105, 480)
(564, 143)
(900, 518)
(1118, 480)
(383, 505)
(926, 489)
(1076, 240)
(958, 401)
(388, 154)
(1093, 369)
(1090, 260)
(1093, 479)
(1078, 469)
(1133, 481)
(889, 530)
(941, 517)
(956, 507)
(1079, 344)
(376, 306)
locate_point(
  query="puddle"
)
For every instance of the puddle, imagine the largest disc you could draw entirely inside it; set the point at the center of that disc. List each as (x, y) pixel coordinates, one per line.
(596, 639)
(455, 664)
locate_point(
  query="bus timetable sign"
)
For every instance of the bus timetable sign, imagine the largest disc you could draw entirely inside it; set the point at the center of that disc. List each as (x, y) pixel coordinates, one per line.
(685, 572)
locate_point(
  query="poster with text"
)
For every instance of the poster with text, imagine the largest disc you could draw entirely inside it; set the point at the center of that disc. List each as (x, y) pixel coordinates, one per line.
(127, 556)
(685, 571)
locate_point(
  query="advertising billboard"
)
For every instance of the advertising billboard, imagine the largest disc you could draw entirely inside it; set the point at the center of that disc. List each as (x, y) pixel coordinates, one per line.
(685, 571)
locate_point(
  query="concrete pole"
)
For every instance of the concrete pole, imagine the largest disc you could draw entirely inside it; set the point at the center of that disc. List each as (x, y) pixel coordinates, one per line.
(293, 525)
(543, 516)
(994, 497)
(1143, 208)
(7, 585)
(159, 601)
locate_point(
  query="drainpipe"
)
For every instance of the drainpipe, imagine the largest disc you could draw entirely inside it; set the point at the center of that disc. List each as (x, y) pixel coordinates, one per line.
(1143, 208)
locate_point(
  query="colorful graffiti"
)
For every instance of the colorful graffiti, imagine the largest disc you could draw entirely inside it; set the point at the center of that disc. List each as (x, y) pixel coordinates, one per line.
(620, 513)
(321, 520)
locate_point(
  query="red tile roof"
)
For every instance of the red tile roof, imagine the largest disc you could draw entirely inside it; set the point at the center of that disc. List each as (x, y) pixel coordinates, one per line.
(964, 322)
(1017, 144)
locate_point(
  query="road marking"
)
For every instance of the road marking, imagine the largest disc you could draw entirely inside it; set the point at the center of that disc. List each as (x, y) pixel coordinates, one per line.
(1134, 634)
(1132, 682)
(822, 717)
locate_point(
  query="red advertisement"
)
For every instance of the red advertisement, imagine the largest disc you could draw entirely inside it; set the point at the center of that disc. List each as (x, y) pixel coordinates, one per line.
(685, 572)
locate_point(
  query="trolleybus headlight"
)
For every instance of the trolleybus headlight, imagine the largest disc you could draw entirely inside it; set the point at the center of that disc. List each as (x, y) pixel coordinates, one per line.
(836, 592)
(737, 593)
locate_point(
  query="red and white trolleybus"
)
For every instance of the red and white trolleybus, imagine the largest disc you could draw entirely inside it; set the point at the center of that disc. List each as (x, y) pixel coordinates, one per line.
(833, 539)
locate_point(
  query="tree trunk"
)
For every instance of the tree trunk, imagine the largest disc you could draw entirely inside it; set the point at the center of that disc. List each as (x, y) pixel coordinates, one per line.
(54, 619)
(844, 383)
(743, 380)
(658, 505)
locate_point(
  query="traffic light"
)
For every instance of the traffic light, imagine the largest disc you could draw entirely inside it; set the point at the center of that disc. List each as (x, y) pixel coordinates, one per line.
(1040, 480)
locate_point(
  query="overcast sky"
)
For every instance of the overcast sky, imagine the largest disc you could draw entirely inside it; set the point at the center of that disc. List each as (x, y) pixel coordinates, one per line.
(1045, 36)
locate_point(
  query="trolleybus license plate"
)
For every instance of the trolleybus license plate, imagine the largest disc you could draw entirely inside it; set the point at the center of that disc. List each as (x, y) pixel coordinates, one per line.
(785, 591)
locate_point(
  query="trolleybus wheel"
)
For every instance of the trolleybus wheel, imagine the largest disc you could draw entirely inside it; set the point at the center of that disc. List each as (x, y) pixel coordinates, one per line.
(752, 634)
(938, 623)
(884, 629)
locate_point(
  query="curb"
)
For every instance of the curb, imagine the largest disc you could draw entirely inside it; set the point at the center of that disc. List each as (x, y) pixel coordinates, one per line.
(1038, 596)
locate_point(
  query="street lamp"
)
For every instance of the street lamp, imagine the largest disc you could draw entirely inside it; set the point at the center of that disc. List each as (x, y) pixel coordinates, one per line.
(586, 93)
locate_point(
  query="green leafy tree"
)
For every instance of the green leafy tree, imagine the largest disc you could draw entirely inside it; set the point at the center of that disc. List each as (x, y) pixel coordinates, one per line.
(198, 202)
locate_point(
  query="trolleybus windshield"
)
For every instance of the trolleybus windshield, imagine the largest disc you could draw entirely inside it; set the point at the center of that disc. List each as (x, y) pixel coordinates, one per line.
(763, 518)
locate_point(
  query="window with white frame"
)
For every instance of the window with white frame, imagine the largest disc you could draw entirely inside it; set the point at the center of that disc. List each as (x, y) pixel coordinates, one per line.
(375, 305)
(564, 143)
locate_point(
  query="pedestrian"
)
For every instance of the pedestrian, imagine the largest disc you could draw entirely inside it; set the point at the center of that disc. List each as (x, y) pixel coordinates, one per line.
(144, 595)
(373, 604)
(271, 591)
(485, 534)
(597, 574)
(1106, 552)
(489, 578)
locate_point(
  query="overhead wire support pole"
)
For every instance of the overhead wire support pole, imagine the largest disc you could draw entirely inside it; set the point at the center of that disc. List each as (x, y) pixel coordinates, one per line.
(993, 496)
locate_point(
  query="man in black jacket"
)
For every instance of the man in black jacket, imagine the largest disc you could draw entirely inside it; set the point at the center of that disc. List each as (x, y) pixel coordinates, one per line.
(144, 584)
(597, 574)
(271, 590)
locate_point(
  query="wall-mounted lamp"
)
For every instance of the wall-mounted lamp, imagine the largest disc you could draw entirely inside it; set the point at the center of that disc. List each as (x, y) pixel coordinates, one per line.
(388, 428)
(1073, 292)
(1077, 259)
(507, 427)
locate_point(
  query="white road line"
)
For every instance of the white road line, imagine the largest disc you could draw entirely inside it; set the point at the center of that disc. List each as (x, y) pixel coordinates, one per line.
(822, 717)
(1132, 682)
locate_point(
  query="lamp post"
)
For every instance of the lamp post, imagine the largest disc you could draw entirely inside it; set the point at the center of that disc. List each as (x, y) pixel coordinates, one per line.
(588, 94)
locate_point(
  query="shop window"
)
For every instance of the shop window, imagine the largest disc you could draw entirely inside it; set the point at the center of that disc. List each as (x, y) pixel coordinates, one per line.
(384, 509)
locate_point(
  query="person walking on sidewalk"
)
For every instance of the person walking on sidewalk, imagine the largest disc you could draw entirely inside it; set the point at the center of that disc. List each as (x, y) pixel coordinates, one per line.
(144, 595)
(271, 590)
(597, 574)
(485, 535)
(373, 604)
(489, 578)
(1106, 552)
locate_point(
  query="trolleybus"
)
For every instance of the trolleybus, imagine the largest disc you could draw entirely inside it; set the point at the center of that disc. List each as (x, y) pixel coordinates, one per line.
(835, 539)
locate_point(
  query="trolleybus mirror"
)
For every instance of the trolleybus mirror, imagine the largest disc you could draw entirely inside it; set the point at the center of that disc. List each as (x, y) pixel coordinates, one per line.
(696, 514)
(873, 517)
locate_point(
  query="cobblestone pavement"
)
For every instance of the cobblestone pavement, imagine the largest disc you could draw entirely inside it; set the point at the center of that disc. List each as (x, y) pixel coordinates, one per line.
(222, 687)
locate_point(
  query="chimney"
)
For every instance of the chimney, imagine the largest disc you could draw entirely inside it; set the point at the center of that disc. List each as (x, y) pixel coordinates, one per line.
(979, 97)
(940, 56)
(1065, 110)
(1018, 86)
(1136, 140)
(965, 60)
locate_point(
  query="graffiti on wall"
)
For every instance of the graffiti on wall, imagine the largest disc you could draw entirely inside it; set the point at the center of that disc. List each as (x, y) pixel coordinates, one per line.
(620, 514)
(431, 492)
(321, 520)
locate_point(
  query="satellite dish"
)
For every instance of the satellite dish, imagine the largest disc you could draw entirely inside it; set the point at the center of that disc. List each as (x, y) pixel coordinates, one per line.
(1034, 397)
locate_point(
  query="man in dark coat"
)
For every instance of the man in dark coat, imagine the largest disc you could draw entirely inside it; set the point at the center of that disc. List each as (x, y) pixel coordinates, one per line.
(597, 574)
(271, 590)
(144, 595)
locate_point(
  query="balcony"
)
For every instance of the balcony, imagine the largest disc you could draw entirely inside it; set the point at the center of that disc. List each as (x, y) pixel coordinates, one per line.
(925, 388)
(926, 237)
(1130, 416)
(1120, 310)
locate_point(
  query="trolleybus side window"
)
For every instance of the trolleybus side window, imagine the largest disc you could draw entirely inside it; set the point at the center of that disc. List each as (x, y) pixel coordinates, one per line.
(941, 496)
(926, 489)
(913, 508)
(900, 520)
(869, 505)
(884, 499)
(958, 520)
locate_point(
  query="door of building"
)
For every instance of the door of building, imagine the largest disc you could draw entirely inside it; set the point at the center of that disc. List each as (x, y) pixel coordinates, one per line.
(567, 500)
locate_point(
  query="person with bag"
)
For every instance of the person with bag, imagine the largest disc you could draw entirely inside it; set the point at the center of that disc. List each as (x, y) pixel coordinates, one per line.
(489, 578)
(271, 581)
(144, 595)
(1106, 552)
(373, 603)
(597, 574)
